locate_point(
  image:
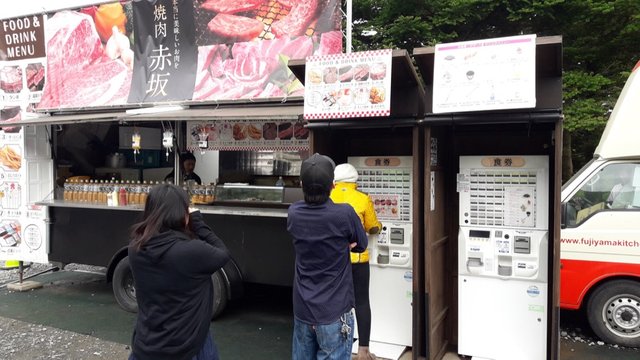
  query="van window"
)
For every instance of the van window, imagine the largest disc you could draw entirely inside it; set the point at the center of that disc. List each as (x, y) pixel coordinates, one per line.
(614, 187)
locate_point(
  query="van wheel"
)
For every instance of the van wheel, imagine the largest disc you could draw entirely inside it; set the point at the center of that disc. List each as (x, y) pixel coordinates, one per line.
(614, 312)
(220, 293)
(123, 285)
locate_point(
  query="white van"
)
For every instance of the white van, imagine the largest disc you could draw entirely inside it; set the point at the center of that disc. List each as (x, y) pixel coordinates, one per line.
(600, 236)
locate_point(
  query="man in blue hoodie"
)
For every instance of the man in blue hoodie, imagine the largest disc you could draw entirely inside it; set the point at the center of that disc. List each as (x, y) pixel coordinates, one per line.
(323, 235)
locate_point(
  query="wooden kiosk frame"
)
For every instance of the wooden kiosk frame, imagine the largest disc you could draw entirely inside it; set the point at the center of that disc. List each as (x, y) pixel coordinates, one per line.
(410, 130)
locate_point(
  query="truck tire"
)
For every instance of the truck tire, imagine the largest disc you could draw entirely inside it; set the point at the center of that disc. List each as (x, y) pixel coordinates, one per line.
(124, 286)
(220, 293)
(613, 311)
(125, 292)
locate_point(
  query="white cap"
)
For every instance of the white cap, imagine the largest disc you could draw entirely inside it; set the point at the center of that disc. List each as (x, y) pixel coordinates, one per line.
(345, 173)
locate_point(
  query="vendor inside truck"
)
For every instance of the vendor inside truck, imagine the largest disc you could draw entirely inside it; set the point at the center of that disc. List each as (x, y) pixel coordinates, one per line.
(188, 164)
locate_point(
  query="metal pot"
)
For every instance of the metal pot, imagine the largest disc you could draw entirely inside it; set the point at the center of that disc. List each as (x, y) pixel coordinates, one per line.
(116, 160)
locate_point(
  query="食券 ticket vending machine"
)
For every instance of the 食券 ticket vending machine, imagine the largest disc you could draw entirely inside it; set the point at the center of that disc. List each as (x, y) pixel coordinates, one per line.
(502, 257)
(388, 181)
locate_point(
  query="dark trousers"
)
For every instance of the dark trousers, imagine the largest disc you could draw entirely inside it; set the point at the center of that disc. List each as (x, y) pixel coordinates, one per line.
(361, 273)
(208, 351)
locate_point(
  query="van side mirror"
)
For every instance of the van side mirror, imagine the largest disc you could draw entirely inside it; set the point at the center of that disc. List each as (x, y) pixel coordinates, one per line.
(563, 215)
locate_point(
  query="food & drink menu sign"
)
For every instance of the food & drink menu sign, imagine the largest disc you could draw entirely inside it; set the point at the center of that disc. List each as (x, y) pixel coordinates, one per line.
(490, 74)
(356, 85)
(22, 68)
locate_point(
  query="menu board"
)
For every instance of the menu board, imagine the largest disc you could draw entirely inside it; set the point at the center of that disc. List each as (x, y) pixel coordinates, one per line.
(22, 68)
(355, 85)
(22, 77)
(22, 226)
(248, 135)
(491, 74)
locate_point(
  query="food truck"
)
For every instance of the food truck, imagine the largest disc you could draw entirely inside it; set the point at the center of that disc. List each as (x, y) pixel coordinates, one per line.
(600, 238)
(86, 131)
(99, 143)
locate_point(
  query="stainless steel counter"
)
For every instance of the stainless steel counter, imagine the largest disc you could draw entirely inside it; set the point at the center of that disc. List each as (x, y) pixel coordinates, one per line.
(205, 209)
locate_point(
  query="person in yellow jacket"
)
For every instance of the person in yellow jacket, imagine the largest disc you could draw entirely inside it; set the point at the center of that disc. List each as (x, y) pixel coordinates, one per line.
(346, 191)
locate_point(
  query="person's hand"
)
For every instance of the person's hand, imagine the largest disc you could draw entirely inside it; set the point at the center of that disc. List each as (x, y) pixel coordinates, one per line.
(352, 245)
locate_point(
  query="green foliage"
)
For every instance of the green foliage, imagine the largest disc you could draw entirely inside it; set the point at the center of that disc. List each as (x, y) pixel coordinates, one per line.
(586, 101)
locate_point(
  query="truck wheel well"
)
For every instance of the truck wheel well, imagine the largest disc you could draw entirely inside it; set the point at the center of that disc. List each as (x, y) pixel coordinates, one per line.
(121, 254)
(604, 282)
(231, 273)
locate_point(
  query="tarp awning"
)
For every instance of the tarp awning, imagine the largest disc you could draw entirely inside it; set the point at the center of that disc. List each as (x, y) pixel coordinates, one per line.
(265, 112)
(279, 112)
(67, 119)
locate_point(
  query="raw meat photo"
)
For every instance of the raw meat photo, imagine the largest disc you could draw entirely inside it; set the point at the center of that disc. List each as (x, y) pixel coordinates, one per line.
(269, 131)
(346, 73)
(330, 75)
(9, 115)
(244, 46)
(299, 131)
(285, 131)
(361, 72)
(89, 57)
(11, 79)
(279, 18)
(378, 71)
(35, 76)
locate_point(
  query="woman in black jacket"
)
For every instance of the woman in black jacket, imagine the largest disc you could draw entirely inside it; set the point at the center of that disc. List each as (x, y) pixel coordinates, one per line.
(173, 254)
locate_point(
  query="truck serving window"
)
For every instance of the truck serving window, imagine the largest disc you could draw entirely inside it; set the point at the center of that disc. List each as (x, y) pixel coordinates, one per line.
(614, 187)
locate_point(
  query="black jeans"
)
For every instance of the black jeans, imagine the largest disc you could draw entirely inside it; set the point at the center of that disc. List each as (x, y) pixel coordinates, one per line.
(361, 273)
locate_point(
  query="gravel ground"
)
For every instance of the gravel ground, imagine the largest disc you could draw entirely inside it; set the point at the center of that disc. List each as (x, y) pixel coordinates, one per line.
(24, 341)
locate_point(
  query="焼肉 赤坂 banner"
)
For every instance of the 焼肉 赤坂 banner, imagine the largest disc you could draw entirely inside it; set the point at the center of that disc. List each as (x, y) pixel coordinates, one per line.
(127, 53)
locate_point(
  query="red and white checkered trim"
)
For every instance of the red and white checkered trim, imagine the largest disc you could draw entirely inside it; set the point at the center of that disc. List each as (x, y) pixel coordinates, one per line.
(355, 55)
(349, 114)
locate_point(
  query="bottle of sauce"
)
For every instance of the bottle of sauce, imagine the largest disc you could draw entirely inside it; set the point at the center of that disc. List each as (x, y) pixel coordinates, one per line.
(122, 195)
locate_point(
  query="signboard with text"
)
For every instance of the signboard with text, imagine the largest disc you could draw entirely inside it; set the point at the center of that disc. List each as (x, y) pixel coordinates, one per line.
(490, 74)
(23, 229)
(355, 85)
(124, 53)
(22, 68)
(164, 43)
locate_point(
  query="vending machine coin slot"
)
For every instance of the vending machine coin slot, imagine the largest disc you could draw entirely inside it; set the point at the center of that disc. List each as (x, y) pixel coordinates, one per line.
(396, 236)
(522, 245)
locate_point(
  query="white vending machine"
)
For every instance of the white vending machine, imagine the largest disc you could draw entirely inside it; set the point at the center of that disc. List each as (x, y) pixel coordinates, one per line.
(502, 257)
(388, 181)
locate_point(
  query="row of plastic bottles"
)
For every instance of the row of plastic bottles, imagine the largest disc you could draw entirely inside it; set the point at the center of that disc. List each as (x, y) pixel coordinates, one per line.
(112, 193)
(120, 193)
